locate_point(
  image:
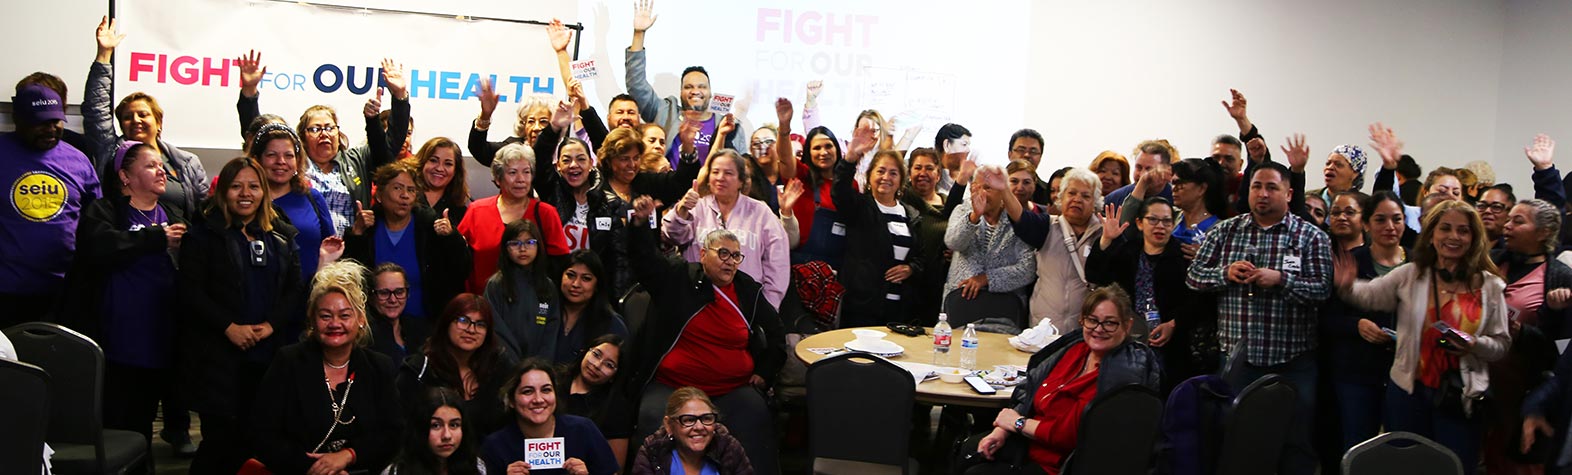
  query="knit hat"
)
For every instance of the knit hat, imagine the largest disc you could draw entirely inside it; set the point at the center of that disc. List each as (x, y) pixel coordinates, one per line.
(1356, 159)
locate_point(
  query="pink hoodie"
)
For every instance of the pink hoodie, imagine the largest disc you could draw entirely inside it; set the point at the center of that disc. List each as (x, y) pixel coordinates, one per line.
(766, 257)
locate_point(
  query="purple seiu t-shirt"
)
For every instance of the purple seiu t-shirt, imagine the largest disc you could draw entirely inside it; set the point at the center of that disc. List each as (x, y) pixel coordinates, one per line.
(701, 142)
(139, 319)
(43, 199)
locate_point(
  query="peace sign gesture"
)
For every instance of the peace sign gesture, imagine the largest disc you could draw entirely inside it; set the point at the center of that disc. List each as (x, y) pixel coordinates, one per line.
(1112, 228)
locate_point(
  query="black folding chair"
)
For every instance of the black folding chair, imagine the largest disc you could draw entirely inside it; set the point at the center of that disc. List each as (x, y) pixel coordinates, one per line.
(1400, 452)
(1117, 433)
(635, 306)
(997, 312)
(24, 405)
(1255, 431)
(859, 415)
(76, 369)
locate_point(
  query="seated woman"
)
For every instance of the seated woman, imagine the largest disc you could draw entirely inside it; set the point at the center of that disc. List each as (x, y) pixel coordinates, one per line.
(1152, 264)
(393, 331)
(442, 447)
(531, 394)
(586, 310)
(691, 439)
(463, 355)
(434, 256)
(301, 427)
(1045, 412)
(711, 327)
(988, 261)
(521, 292)
(595, 393)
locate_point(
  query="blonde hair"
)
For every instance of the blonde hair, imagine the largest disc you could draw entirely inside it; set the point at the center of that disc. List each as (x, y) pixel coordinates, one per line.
(347, 278)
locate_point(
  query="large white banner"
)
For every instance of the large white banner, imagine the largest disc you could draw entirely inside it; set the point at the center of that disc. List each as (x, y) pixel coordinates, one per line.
(183, 52)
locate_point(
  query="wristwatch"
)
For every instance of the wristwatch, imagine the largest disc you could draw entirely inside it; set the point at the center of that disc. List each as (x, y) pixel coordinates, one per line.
(1020, 423)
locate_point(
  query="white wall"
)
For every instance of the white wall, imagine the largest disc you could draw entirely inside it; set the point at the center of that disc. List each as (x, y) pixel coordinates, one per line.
(1535, 96)
(1109, 74)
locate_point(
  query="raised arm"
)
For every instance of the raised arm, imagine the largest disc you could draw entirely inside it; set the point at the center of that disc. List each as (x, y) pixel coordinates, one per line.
(98, 120)
(251, 73)
(785, 159)
(1547, 180)
(637, 79)
(559, 36)
(483, 150)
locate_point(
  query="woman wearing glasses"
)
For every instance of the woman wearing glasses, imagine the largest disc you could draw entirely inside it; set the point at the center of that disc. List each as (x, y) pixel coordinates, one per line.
(462, 355)
(691, 439)
(433, 254)
(327, 404)
(1045, 413)
(531, 396)
(393, 331)
(1149, 262)
(596, 392)
(716, 202)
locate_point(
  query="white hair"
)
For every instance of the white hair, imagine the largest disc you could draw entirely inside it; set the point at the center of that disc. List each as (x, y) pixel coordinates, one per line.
(1086, 178)
(509, 154)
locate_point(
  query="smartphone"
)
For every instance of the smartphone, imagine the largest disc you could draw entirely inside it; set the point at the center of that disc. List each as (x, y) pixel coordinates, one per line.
(980, 386)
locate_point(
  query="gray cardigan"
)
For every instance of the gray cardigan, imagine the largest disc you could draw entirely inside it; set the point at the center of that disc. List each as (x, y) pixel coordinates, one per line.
(980, 248)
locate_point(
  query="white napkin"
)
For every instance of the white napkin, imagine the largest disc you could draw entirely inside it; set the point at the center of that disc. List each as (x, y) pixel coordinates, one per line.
(1035, 338)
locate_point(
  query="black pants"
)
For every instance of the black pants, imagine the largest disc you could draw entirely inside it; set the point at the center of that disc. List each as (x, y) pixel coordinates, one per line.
(226, 438)
(22, 308)
(1009, 459)
(131, 397)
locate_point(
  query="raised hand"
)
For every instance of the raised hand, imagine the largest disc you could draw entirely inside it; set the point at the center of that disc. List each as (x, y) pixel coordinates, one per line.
(979, 198)
(488, 99)
(643, 15)
(1386, 143)
(374, 104)
(863, 140)
(993, 178)
(1256, 150)
(814, 88)
(1112, 228)
(559, 35)
(1238, 108)
(1298, 152)
(251, 72)
(393, 73)
(1344, 271)
(443, 226)
(689, 201)
(783, 114)
(1542, 153)
(790, 194)
(727, 124)
(331, 249)
(562, 115)
(1152, 182)
(576, 93)
(364, 219)
(107, 39)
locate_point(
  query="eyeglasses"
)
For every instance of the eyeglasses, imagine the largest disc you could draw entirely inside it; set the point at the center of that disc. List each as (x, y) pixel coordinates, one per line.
(1488, 207)
(598, 358)
(517, 244)
(727, 254)
(397, 293)
(763, 143)
(473, 324)
(709, 418)
(322, 129)
(1030, 152)
(1349, 212)
(1155, 221)
(1089, 324)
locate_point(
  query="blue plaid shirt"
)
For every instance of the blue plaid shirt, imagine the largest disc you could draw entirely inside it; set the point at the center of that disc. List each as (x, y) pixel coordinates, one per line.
(340, 204)
(1277, 323)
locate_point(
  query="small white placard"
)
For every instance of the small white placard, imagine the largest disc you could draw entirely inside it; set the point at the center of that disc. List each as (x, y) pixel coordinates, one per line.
(584, 69)
(720, 104)
(544, 453)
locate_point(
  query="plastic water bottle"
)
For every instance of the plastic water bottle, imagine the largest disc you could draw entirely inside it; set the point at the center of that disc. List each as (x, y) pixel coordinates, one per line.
(969, 343)
(1153, 319)
(941, 341)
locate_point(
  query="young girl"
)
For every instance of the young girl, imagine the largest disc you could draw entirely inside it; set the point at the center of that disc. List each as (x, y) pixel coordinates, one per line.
(442, 448)
(521, 292)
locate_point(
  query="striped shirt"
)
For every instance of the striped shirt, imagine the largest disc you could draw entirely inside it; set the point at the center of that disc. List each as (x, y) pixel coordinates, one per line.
(900, 241)
(1276, 323)
(341, 205)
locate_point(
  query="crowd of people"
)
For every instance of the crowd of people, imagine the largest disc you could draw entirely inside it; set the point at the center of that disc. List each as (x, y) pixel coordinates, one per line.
(1424, 305)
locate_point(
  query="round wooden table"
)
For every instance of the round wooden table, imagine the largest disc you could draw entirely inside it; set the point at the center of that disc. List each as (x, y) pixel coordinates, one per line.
(993, 349)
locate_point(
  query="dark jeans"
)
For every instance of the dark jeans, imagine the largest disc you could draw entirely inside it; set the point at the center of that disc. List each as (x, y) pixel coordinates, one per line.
(744, 411)
(1008, 459)
(1418, 413)
(1359, 411)
(1300, 372)
(226, 438)
(131, 397)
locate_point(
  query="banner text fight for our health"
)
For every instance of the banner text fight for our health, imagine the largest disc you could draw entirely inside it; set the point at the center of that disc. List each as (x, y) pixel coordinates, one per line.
(330, 78)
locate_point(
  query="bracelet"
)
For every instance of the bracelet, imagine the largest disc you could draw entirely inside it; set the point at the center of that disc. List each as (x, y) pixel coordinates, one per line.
(352, 456)
(482, 124)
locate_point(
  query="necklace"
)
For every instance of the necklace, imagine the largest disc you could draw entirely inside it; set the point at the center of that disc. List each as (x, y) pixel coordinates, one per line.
(338, 408)
(144, 213)
(336, 366)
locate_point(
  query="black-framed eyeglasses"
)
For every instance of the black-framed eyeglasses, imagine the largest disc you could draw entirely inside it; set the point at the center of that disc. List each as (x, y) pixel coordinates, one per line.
(1156, 221)
(520, 244)
(1030, 152)
(709, 419)
(1486, 206)
(727, 254)
(1089, 324)
(322, 129)
(472, 324)
(397, 293)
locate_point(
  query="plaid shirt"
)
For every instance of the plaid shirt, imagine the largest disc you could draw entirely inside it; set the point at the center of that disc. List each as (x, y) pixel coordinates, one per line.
(1277, 323)
(340, 204)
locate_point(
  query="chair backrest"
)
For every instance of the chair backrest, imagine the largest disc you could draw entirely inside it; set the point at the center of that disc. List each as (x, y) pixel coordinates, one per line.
(1256, 429)
(76, 370)
(1193, 424)
(998, 312)
(24, 406)
(1117, 433)
(860, 409)
(635, 306)
(1400, 452)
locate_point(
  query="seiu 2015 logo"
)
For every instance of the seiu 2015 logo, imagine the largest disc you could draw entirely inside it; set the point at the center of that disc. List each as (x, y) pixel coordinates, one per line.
(329, 78)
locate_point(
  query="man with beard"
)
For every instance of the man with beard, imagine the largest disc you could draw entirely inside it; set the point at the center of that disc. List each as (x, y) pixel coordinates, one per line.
(692, 105)
(622, 112)
(49, 184)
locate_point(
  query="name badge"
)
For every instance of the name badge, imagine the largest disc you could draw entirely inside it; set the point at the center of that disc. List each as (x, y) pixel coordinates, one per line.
(540, 319)
(838, 229)
(1291, 263)
(603, 224)
(899, 229)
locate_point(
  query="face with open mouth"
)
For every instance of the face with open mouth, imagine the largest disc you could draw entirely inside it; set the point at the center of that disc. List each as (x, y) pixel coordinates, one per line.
(573, 164)
(1522, 233)
(1158, 224)
(623, 114)
(397, 196)
(696, 90)
(1339, 175)
(536, 398)
(692, 439)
